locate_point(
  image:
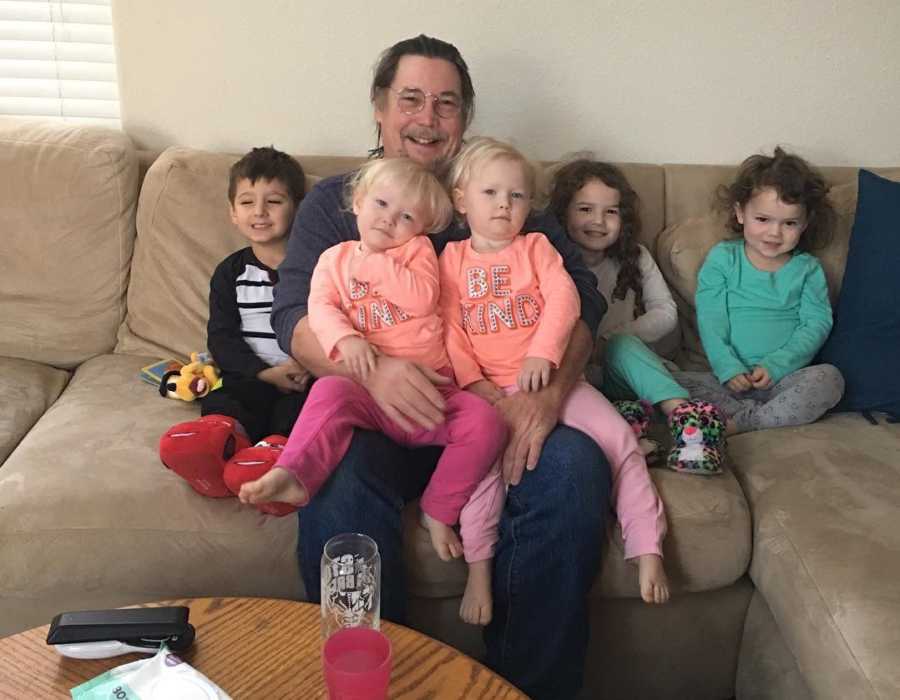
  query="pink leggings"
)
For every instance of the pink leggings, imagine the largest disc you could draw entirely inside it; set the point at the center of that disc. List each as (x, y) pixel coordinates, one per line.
(637, 504)
(473, 433)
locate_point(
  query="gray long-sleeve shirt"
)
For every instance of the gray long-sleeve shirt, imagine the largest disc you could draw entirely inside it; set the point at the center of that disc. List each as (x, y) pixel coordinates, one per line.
(323, 221)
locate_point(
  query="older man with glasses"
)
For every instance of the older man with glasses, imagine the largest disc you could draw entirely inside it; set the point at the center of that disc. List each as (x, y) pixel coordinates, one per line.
(559, 482)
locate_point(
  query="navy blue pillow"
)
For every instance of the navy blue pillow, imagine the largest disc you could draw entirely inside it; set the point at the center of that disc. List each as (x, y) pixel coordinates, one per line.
(865, 341)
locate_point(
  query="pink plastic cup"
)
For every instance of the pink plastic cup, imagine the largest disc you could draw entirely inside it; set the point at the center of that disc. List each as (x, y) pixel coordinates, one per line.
(357, 664)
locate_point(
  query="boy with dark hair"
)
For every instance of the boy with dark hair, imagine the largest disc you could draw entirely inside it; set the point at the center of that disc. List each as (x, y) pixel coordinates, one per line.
(262, 388)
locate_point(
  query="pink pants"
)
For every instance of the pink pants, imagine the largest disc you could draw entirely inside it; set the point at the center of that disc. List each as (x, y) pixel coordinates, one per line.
(473, 433)
(637, 504)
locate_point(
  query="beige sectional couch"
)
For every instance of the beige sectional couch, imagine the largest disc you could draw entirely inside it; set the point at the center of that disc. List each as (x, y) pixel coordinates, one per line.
(784, 568)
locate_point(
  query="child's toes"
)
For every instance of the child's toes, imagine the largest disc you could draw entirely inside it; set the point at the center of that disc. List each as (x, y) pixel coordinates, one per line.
(485, 615)
(245, 495)
(465, 614)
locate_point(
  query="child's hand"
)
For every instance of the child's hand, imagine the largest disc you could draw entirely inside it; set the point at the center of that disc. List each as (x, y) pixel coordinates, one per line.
(653, 579)
(358, 355)
(760, 378)
(739, 383)
(535, 374)
(288, 376)
(487, 390)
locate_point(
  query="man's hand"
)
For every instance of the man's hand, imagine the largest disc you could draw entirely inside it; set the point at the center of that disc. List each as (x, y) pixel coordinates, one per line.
(487, 390)
(358, 356)
(534, 374)
(760, 378)
(739, 383)
(406, 392)
(530, 418)
(288, 376)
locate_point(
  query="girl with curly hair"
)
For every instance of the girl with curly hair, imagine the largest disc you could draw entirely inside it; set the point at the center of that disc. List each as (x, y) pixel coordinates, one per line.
(762, 302)
(600, 210)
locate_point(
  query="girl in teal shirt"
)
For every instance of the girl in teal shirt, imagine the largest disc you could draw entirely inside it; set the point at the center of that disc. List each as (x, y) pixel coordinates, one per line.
(762, 302)
(762, 309)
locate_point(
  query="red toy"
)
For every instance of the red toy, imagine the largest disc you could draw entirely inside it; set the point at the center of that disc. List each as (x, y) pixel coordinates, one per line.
(198, 450)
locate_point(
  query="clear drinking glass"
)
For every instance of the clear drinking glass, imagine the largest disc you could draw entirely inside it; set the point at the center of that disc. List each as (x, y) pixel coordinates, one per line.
(351, 583)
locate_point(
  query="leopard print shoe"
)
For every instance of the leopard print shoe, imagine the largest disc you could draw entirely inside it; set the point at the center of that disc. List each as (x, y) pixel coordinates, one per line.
(636, 414)
(698, 432)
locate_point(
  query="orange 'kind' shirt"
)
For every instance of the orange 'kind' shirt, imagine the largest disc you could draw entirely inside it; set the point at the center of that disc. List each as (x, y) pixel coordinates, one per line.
(502, 307)
(389, 298)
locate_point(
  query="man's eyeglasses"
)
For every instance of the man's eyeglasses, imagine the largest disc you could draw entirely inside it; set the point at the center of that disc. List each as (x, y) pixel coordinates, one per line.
(412, 101)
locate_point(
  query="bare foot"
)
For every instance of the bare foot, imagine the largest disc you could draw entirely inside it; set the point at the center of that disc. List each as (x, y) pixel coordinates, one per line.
(650, 449)
(277, 484)
(730, 427)
(444, 540)
(653, 580)
(477, 605)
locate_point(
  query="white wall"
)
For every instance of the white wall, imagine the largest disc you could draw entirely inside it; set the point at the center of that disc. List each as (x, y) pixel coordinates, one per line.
(693, 81)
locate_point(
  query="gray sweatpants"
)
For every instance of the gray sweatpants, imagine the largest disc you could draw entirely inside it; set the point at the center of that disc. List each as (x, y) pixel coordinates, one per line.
(799, 398)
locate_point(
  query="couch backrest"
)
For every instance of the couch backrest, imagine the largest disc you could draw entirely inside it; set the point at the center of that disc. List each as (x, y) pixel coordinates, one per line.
(67, 196)
(183, 231)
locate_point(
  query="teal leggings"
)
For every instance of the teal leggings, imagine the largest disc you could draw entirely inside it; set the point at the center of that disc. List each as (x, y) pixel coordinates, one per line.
(632, 370)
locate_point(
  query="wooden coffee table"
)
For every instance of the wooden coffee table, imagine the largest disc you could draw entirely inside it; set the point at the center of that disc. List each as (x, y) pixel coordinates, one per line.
(257, 648)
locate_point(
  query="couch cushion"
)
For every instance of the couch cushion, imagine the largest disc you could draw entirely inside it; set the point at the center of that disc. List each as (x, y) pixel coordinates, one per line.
(70, 190)
(681, 250)
(824, 499)
(866, 336)
(184, 231)
(90, 517)
(28, 389)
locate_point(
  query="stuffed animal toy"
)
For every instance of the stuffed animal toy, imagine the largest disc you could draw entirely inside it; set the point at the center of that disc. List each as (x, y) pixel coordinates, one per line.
(193, 381)
(698, 433)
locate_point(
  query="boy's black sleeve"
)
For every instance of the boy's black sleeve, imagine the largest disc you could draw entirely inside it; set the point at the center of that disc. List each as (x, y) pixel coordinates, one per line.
(223, 331)
(593, 305)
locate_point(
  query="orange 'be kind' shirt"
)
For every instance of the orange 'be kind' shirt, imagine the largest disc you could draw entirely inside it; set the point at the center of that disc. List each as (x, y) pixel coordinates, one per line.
(388, 298)
(500, 308)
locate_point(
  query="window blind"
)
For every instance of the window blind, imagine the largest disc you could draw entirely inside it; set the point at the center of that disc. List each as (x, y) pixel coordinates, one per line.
(57, 61)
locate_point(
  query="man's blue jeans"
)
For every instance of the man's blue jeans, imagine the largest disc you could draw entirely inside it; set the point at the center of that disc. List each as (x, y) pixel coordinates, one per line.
(551, 534)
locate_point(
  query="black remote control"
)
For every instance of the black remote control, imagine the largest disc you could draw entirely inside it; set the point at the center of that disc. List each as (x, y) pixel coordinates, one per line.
(140, 627)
